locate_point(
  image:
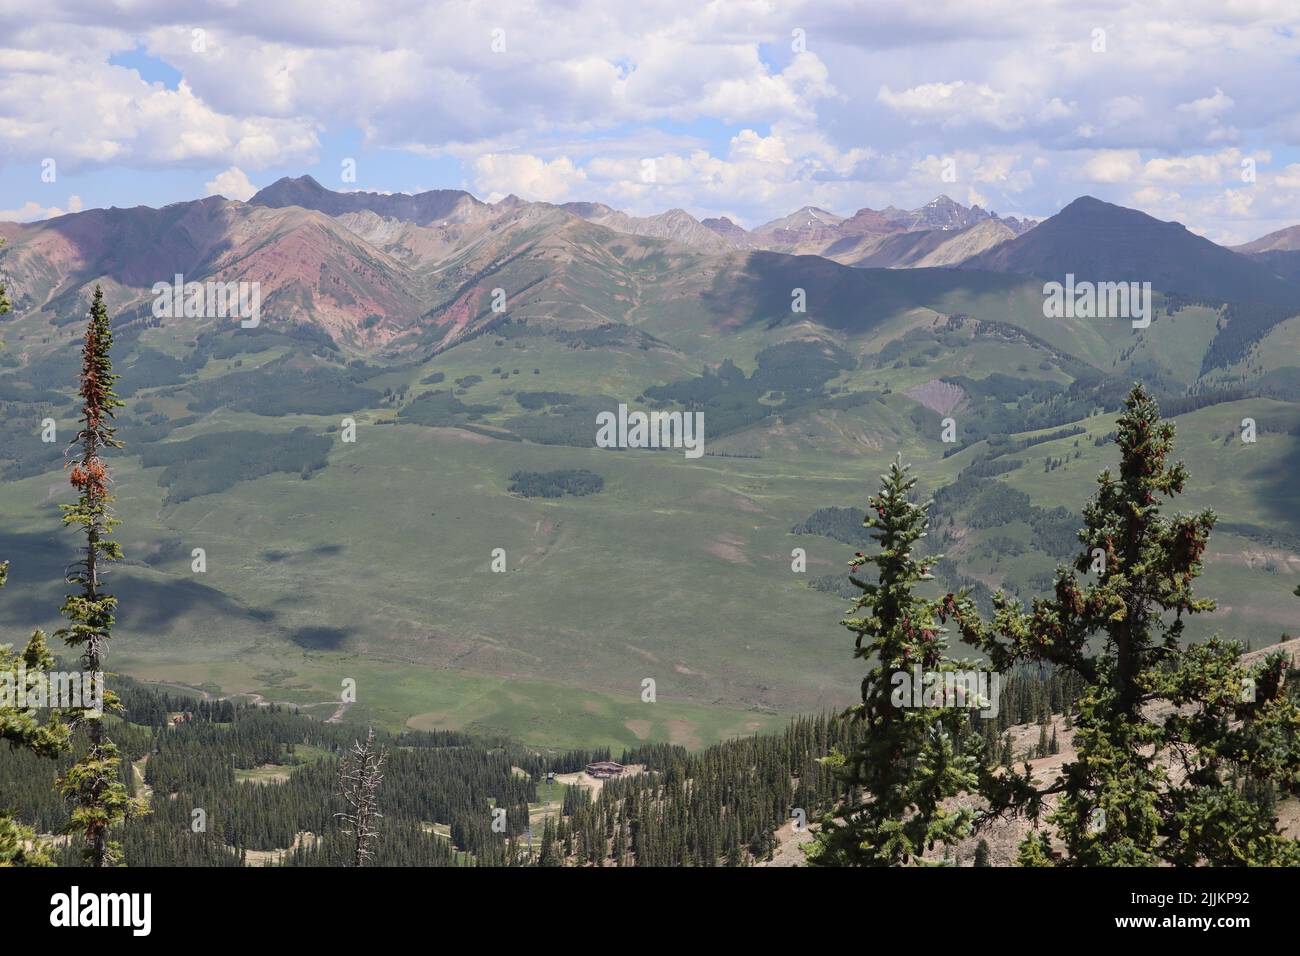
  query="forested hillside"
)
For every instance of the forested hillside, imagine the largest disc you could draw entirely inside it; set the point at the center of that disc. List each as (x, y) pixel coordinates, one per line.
(267, 781)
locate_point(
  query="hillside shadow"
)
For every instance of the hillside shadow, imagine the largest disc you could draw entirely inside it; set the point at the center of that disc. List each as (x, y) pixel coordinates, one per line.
(320, 638)
(836, 296)
(1281, 500)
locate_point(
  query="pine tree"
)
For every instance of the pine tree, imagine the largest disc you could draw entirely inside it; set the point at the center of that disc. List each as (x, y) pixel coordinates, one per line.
(20, 728)
(908, 762)
(1147, 702)
(94, 782)
(982, 853)
(549, 854)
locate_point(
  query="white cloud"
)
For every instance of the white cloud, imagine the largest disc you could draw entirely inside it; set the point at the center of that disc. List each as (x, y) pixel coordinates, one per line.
(1194, 169)
(953, 105)
(1208, 107)
(736, 119)
(32, 211)
(1288, 178)
(747, 144)
(86, 112)
(1203, 168)
(1113, 166)
(233, 184)
(530, 177)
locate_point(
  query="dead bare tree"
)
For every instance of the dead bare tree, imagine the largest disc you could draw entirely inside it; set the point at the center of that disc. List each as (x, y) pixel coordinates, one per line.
(360, 773)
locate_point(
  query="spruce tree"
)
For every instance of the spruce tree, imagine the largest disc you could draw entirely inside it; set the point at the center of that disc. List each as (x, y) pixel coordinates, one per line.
(95, 783)
(1160, 728)
(549, 853)
(908, 762)
(19, 727)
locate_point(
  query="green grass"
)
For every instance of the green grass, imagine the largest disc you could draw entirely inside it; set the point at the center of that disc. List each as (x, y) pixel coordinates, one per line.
(377, 568)
(271, 774)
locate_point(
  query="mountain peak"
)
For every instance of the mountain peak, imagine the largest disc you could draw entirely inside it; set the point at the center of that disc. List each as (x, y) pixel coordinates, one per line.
(1090, 212)
(1089, 202)
(807, 219)
(422, 208)
(943, 213)
(1284, 240)
(1098, 241)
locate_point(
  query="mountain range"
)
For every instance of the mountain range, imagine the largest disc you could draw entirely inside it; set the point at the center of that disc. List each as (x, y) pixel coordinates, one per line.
(805, 231)
(474, 343)
(384, 271)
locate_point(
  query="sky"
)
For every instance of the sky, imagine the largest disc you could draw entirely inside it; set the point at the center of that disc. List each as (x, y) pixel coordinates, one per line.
(1186, 109)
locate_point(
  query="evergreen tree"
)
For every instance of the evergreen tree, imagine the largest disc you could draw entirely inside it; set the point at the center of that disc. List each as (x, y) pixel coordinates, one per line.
(94, 782)
(18, 725)
(20, 728)
(908, 763)
(549, 854)
(982, 853)
(1147, 702)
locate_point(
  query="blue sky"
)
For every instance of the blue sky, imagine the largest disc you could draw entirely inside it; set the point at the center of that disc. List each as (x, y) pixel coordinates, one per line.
(748, 109)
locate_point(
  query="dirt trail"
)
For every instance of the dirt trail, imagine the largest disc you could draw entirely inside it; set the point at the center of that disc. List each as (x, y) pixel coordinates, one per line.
(788, 846)
(145, 790)
(340, 707)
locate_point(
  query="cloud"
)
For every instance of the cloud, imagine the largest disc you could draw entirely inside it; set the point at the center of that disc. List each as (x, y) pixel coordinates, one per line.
(530, 177)
(1193, 169)
(1207, 169)
(32, 211)
(83, 112)
(1288, 178)
(1208, 107)
(232, 184)
(1113, 166)
(953, 105)
(738, 116)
